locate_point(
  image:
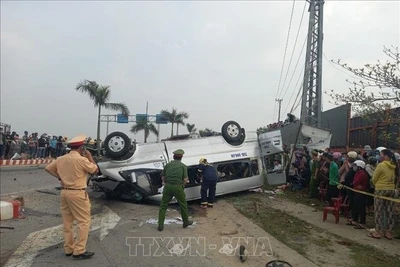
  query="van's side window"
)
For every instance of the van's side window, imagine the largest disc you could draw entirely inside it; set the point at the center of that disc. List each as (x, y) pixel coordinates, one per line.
(234, 170)
(254, 167)
(192, 173)
(154, 181)
(143, 181)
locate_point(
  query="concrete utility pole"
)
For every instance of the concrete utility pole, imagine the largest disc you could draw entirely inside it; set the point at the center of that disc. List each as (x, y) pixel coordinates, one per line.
(311, 108)
(279, 110)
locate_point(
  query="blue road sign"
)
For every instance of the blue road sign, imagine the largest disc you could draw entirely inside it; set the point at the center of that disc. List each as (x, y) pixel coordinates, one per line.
(122, 118)
(141, 118)
(160, 119)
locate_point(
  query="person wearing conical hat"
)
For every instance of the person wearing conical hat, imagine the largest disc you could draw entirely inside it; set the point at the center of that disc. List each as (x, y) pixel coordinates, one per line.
(72, 170)
(174, 178)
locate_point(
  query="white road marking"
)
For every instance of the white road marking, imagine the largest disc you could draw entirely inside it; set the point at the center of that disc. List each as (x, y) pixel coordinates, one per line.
(37, 241)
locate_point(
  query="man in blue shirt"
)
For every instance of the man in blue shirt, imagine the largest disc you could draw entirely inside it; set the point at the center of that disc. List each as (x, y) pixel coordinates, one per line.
(209, 177)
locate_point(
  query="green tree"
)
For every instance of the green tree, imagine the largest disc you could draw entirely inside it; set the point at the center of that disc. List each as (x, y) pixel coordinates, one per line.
(191, 128)
(101, 96)
(174, 117)
(145, 126)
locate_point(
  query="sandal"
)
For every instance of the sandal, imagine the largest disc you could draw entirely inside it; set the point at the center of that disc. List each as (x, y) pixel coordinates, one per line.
(359, 226)
(373, 236)
(351, 223)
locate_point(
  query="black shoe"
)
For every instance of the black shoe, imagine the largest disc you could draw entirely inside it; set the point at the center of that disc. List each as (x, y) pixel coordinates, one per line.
(187, 224)
(84, 256)
(160, 228)
(68, 254)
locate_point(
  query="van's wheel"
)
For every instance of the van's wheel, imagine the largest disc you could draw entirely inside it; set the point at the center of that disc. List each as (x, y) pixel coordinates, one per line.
(117, 145)
(232, 132)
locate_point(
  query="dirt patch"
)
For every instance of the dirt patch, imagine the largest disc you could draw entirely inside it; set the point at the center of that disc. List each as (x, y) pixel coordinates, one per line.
(309, 241)
(301, 228)
(223, 224)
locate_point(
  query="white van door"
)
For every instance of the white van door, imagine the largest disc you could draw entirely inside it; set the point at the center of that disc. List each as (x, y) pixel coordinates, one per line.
(272, 150)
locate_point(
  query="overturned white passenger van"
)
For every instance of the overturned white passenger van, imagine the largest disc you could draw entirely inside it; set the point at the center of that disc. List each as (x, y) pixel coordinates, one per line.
(134, 172)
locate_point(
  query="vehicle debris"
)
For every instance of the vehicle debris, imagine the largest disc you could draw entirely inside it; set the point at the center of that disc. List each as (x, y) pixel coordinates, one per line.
(229, 232)
(167, 221)
(46, 192)
(7, 227)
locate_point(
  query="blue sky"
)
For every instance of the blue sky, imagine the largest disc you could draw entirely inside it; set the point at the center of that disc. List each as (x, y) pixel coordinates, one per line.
(215, 60)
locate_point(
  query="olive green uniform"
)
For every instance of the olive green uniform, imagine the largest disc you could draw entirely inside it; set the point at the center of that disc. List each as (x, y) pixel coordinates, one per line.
(314, 179)
(174, 173)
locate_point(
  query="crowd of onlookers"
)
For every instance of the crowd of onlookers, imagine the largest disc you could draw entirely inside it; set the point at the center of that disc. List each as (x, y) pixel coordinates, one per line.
(31, 146)
(277, 125)
(368, 171)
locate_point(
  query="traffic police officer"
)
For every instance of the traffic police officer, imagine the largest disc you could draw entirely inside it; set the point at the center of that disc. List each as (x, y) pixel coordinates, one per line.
(72, 170)
(209, 177)
(174, 178)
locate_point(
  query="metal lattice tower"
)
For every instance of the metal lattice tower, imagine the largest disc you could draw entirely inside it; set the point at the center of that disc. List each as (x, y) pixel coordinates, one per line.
(311, 108)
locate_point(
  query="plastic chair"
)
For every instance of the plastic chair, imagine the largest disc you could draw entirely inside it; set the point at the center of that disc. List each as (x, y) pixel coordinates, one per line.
(334, 199)
(335, 209)
(323, 188)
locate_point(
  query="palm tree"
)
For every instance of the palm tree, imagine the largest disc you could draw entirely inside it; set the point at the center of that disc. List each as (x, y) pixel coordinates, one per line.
(146, 126)
(191, 128)
(180, 118)
(174, 117)
(100, 96)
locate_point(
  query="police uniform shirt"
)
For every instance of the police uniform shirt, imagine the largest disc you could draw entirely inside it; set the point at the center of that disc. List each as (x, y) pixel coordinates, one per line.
(73, 169)
(174, 172)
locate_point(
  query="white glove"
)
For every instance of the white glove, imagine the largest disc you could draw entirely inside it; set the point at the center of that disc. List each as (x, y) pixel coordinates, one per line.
(160, 190)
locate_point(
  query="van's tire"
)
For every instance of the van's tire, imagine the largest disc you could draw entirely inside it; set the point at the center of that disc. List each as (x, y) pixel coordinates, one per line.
(117, 145)
(233, 133)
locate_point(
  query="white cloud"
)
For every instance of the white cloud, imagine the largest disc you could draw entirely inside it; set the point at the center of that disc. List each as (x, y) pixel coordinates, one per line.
(214, 29)
(181, 44)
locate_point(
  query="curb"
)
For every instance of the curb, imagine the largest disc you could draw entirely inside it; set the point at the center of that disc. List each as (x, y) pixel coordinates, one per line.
(15, 168)
(24, 162)
(10, 209)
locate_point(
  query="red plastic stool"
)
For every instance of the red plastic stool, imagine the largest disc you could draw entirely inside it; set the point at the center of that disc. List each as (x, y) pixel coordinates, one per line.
(335, 209)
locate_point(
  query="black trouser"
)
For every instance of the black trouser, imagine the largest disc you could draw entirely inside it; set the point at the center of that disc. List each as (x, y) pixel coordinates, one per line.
(209, 186)
(53, 152)
(332, 191)
(370, 199)
(359, 208)
(350, 197)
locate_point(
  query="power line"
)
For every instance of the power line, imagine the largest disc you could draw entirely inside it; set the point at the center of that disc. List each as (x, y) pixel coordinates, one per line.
(284, 54)
(298, 102)
(295, 68)
(333, 65)
(301, 74)
(294, 48)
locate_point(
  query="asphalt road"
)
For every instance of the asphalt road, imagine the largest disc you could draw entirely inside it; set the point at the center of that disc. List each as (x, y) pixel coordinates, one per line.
(41, 212)
(23, 179)
(121, 235)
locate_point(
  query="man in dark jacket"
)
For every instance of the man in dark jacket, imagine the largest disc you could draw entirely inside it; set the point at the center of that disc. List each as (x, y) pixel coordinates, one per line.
(209, 177)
